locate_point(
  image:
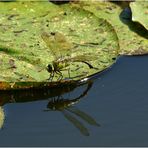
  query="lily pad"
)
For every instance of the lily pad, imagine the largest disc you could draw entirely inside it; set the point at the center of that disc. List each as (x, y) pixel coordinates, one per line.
(132, 36)
(75, 34)
(140, 12)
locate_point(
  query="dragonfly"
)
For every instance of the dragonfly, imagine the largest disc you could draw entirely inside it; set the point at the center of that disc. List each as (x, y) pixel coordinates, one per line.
(67, 108)
(61, 50)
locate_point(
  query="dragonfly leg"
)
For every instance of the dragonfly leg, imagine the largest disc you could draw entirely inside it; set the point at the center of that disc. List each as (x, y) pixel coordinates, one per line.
(60, 75)
(51, 76)
(69, 72)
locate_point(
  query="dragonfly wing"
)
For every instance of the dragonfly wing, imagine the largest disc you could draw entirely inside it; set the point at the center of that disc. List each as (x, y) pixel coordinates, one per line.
(50, 43)
(76, 123)
(57, 43)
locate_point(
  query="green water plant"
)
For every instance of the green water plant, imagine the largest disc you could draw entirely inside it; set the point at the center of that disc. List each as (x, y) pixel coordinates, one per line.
(140, 12)
(86, 44)
(132, 36)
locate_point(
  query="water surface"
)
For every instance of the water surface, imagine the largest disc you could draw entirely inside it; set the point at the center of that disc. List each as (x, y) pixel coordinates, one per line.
(117, 101)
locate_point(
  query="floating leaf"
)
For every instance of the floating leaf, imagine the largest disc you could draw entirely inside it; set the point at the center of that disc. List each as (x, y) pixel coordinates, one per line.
(82, 37)
(24, 54)
(132, 36)
(140, 12)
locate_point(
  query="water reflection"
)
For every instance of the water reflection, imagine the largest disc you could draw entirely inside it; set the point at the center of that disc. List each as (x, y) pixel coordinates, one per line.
(57, 102)
(67, 108)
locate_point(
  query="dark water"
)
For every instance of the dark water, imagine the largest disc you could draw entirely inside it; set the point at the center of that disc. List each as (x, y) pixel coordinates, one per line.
(116, 103)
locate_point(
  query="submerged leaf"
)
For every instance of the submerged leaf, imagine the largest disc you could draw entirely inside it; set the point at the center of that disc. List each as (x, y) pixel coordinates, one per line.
(2, 117)
(140, 12)
(132, 36)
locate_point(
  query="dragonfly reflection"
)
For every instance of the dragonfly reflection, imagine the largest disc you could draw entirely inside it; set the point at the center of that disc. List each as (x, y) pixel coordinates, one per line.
(66, 106)
(61, 50)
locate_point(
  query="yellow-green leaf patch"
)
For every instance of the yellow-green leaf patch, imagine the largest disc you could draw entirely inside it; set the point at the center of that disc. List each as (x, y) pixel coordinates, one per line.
(86, 44)
(132, 37)
(140, 12)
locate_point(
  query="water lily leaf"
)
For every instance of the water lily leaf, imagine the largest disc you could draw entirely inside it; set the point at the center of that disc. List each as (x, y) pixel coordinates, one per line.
(132, 36)
(20, 55)
(140, 12)
(34, 34)
(81, 37)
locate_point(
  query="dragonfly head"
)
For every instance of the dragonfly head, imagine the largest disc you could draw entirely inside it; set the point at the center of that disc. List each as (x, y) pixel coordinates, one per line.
(53, 33)
(49, 68)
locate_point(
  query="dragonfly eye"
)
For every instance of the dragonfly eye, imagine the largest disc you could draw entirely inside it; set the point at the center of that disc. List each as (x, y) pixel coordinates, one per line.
(52, 33)
(49, 68)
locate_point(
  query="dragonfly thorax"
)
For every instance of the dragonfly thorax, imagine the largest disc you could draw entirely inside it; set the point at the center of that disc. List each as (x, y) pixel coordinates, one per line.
(59, 65)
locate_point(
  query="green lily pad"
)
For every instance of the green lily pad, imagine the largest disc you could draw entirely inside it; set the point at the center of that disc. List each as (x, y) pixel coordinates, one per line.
(130, 34)
(140, 12)
(34, 34)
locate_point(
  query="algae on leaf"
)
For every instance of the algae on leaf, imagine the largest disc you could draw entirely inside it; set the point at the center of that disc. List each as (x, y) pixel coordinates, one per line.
(132, 39)
(140, 12)
(24, 54)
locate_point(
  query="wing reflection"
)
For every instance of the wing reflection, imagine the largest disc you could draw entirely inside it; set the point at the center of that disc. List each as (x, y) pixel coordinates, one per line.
(70, 112)
(83, 115)
(79, 125)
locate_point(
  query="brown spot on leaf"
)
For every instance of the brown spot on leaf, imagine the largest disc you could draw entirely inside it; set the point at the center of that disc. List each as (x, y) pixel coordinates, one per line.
(12, 63)
(20, 31)
(12, 16)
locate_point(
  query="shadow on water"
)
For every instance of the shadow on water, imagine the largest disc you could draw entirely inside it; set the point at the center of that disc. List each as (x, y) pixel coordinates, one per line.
(56, 103)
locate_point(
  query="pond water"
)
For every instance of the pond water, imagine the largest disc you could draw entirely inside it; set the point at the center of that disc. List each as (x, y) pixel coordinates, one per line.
(114, 112)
